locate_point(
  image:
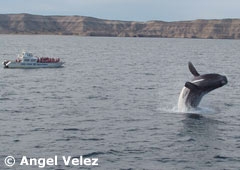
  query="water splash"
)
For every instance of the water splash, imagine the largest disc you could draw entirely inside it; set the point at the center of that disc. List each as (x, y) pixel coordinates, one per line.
(199, 110)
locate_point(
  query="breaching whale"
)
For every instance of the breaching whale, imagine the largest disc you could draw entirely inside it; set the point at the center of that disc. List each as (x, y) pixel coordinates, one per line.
(194, 90)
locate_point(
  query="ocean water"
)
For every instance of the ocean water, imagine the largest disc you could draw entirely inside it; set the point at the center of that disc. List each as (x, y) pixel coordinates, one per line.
(115, 99)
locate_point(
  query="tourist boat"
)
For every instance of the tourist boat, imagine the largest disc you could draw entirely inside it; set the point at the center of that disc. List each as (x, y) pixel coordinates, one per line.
(27, 60)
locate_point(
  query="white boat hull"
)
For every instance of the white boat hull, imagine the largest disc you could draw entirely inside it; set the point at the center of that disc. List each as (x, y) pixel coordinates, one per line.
(13, 64)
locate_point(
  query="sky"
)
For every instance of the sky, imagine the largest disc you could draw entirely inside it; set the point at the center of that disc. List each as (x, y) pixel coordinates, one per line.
(128, 10)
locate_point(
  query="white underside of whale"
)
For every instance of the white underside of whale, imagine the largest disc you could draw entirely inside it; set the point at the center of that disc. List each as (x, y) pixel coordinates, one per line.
(182, 100)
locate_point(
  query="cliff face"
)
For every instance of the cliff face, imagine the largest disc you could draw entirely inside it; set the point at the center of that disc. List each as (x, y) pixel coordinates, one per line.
(87, 26)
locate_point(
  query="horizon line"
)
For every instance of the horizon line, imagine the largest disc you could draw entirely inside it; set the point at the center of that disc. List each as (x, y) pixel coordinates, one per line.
(72, 15)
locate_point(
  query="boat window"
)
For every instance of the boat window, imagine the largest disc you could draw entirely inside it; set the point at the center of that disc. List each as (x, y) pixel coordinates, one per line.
(26, 60)
(33, 59)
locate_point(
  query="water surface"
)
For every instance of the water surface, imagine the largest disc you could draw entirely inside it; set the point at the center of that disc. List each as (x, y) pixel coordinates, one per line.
(116, 99)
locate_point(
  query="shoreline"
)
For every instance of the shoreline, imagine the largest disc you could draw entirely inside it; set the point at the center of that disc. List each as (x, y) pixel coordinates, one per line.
(28, 24)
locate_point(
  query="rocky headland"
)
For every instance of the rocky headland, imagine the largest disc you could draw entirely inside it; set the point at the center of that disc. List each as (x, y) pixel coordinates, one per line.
(88, 26)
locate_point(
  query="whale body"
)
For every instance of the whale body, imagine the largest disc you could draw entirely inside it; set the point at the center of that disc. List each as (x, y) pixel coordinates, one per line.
(194, 90)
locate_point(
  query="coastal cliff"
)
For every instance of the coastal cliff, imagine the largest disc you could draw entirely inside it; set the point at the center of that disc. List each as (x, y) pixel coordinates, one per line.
(88, 26)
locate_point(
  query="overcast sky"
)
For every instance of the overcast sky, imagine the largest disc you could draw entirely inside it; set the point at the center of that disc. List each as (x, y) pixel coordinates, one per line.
(137, 10)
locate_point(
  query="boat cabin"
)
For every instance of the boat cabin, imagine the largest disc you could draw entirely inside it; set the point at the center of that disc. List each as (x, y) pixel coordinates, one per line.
(27, 57)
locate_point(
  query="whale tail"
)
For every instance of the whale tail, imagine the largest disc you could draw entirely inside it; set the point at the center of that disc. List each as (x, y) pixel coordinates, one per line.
(193, 69)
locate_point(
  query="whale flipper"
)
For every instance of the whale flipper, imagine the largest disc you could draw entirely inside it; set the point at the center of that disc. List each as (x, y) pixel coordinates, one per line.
(193, 69)
(191, 86)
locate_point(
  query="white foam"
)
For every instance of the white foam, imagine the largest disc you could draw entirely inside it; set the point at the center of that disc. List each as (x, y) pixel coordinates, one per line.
(198, 110)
